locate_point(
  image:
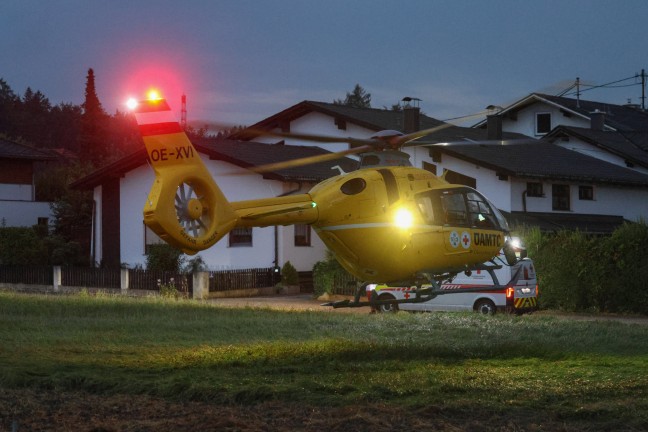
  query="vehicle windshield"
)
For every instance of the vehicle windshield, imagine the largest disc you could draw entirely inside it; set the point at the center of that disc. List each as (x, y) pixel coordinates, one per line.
(460, 207)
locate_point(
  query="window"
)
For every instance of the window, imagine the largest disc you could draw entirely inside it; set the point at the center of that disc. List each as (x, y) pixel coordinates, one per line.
(534, 189)
(586, 193)
(543, 123)
(458, 178)
(560, 197)
(302, 235)
(240, 237)
(430, 167)
(435, 155)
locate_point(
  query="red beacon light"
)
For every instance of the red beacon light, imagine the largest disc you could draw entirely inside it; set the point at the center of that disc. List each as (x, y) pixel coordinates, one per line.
(131, 104)
(152, 96)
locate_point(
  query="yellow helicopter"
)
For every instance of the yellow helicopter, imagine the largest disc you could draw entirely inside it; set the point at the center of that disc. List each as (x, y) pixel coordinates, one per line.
(387, 222)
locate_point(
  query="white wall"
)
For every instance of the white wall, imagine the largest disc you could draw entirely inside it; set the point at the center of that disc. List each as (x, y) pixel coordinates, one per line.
(596, 152)
(526, 117)
(318, 123)
(16, 192)
(24, 213)
(631, 203)
(136, 184)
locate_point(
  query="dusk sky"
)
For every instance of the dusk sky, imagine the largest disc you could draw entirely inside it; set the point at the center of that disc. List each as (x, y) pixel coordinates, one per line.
(240, 61)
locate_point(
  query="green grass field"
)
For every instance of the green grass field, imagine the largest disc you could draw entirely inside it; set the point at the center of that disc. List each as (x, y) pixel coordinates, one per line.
(536, 369)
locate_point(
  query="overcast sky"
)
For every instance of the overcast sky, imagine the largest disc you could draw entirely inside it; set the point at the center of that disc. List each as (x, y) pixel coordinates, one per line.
(240, 61)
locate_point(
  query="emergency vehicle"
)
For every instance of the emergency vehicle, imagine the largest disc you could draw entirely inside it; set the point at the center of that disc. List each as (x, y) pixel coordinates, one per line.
(520, 294)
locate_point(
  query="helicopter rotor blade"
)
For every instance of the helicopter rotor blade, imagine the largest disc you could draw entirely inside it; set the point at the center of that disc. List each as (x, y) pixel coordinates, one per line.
(468, 142)
(310, 160)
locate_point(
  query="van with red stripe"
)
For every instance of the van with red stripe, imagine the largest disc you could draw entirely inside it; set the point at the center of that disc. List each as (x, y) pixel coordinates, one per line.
(519, 295)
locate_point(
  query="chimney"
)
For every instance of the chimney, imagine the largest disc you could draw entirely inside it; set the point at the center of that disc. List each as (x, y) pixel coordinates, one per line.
(494, 127)
(597, 120)
(411, 115)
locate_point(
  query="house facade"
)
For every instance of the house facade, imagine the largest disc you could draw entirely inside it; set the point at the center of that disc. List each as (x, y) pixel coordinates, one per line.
(538, 183)
(615, 133)
(18, 205)
(120, 189)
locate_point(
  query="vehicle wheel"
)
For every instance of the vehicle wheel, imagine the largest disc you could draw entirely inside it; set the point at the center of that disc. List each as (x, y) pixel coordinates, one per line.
(485, 306)
(388, 307)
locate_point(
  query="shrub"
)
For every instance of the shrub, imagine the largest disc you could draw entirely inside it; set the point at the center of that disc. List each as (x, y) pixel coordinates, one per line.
(21, 246)
(580, 272)
(330, 277)
(163, 257)
(289, 275)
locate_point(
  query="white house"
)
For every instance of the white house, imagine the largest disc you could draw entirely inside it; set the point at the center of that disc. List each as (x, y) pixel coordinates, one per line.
(18, 205)
(615, 133)
(120, 190)
(536, 182)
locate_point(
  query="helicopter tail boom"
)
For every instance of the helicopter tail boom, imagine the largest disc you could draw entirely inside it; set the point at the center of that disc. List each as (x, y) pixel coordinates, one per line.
(185, 207)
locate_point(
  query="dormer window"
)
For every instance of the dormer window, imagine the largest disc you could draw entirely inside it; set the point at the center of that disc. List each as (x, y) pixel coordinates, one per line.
(542, 123)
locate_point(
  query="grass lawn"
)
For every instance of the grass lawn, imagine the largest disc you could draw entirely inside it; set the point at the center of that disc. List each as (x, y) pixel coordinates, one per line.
(535, 372)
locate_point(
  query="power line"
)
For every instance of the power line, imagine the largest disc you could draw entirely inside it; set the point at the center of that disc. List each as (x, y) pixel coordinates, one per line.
(612, 84)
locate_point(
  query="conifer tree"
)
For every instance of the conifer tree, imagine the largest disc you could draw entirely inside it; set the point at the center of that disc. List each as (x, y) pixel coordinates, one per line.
(358, 98)
(94, 120)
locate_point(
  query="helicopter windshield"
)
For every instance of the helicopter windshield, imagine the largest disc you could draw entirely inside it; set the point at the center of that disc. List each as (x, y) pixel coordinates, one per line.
(460, 207)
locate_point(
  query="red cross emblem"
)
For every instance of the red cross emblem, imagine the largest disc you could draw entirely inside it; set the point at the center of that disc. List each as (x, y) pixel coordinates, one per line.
(465, 240)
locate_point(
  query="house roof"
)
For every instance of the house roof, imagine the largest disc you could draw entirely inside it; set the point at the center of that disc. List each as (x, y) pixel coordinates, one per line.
(552, 222)
(14, 150)
(617, 117)
(241, 153)
(249, 154)
(538, 159)
(371, 118)
(628, 145)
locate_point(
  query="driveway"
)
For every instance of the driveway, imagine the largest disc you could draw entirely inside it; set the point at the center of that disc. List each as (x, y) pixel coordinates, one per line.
(287, 302)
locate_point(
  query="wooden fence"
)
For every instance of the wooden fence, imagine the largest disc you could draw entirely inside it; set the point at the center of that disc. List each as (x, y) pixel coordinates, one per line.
(29, 275)
(229, 280)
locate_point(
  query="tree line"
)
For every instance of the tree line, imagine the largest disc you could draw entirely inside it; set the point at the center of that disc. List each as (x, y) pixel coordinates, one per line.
(85, 132)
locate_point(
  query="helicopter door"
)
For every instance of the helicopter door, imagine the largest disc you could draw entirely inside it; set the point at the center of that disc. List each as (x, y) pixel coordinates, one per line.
(447, 210)
(454, 215)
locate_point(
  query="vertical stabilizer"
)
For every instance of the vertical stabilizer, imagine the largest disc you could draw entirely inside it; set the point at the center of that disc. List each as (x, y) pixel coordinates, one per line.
(185, 207)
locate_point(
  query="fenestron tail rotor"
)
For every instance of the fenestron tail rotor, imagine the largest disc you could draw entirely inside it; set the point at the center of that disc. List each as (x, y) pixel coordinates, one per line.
(192, 210)
(185, 207)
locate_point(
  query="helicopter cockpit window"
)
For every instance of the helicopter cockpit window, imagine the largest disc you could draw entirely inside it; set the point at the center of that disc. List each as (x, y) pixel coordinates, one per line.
(459, 207)
(480, 211)
(454, 209)
(353, 186)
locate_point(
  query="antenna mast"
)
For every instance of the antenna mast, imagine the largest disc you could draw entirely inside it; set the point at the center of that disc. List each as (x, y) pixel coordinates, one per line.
(183, 112)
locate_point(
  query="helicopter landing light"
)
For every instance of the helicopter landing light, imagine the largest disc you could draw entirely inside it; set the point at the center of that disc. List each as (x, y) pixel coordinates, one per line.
(403, 218)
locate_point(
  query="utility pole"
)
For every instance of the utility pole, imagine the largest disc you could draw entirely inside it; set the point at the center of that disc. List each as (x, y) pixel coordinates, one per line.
(643, 89)
(577, 92)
